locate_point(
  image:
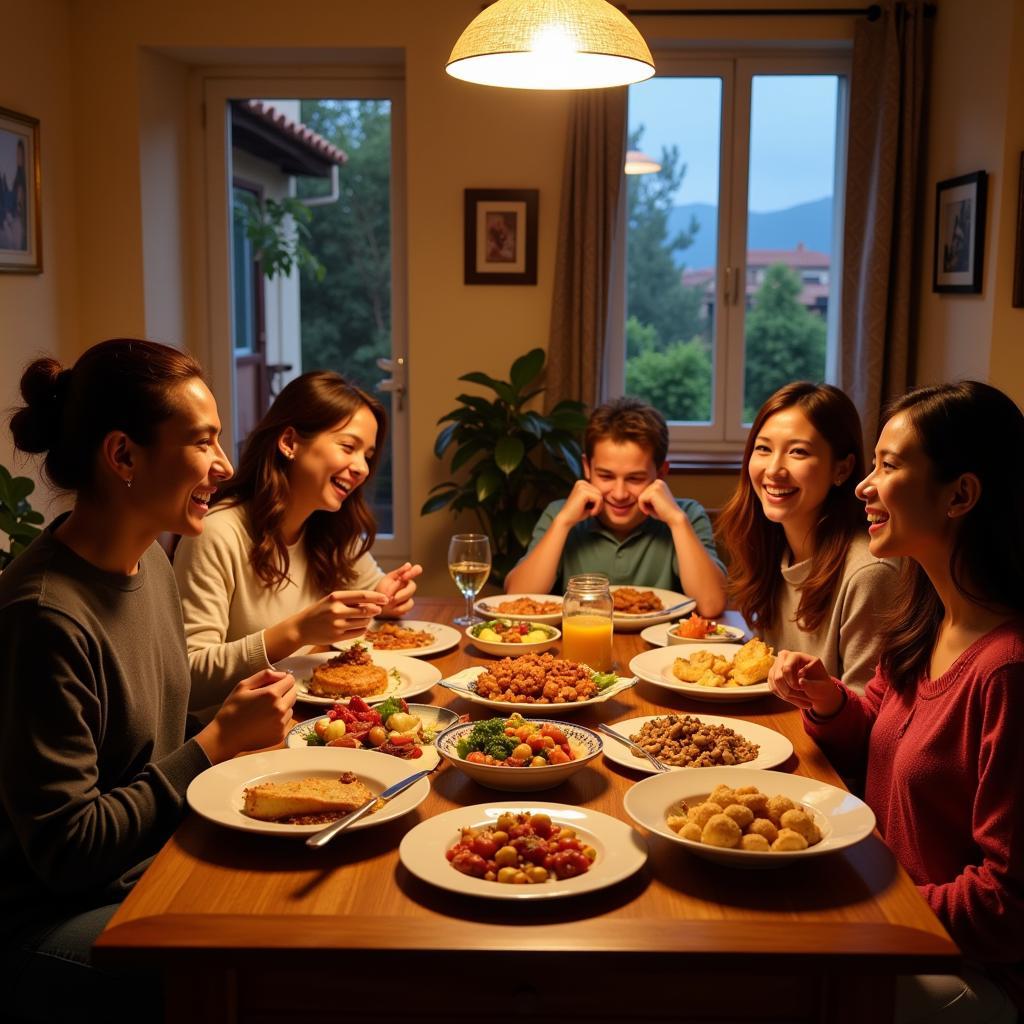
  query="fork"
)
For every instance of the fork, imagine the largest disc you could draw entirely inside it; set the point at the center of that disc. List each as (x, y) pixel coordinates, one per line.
(635, 747)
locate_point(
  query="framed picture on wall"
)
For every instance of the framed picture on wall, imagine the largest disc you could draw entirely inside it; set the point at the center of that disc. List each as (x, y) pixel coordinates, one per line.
(21, 236)
(959, 233)
(501, 236)
(1018, 257)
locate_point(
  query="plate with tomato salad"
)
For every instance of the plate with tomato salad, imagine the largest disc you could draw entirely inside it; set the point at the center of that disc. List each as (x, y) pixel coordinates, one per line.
(429, 850)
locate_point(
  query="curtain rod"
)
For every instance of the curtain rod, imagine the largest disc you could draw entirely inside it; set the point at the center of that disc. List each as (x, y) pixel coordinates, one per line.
(872, 12)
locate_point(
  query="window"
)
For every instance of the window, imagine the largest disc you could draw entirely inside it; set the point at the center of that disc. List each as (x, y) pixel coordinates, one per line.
(330, 152)
(730, 262)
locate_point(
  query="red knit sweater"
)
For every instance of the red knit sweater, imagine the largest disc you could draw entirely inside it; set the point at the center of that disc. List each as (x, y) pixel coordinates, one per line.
(944, 762)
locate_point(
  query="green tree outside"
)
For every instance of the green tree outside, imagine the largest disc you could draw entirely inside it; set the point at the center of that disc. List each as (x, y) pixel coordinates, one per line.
(785, 341)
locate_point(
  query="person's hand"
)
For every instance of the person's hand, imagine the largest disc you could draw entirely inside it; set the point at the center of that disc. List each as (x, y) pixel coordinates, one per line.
(341, 615)
(804, 681)
(658, 502)
(398, 587)
(584, 501)
(256, 714)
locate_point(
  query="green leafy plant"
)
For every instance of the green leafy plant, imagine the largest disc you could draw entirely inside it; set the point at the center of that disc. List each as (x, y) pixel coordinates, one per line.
(17, 517)
(280, 243)
(517, 459)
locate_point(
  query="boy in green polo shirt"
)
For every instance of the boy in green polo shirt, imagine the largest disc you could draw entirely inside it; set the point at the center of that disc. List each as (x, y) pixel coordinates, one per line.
(622, 520)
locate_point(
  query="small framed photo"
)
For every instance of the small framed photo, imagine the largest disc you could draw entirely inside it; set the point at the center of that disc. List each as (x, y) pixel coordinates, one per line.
(1018, 258)
(21, 249)
(501, 236)
(959, 233)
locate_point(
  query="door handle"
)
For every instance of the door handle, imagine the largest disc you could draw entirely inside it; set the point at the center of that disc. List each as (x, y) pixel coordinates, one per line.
(396, 383)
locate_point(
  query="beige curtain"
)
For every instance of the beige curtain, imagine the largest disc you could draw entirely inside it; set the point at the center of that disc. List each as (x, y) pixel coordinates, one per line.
(594, 154)
(882, 239)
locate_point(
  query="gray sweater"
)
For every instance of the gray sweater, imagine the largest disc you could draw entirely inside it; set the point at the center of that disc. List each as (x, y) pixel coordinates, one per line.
(847, 641)
(94, 686)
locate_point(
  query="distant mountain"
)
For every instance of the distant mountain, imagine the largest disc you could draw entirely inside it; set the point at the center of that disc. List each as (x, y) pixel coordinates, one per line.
(810, 223)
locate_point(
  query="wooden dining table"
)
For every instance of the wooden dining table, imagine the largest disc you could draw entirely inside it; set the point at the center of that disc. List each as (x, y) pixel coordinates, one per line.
(247, 927)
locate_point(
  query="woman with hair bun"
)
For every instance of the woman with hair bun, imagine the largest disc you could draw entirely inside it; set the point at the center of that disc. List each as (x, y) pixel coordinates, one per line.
(800, 569)
(284, 562)
(94, 676)
(939, 726)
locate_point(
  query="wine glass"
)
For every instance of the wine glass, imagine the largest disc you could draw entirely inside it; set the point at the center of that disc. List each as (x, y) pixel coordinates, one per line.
(469, 562)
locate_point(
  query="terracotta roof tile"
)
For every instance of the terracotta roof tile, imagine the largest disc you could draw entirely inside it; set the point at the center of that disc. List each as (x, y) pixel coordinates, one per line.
(297, 131)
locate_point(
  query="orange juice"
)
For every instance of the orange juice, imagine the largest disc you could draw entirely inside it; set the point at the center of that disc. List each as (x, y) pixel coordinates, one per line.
(588, 638)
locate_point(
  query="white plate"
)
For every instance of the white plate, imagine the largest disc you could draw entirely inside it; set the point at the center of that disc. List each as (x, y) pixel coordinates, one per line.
(658, 635)
(488, 607)
(414, 676)
(621, 852)
(445, 637)
(775, 748)
(463, 682)
(500, 649)
(842, 818)
(625, 623)
(440, 718)
(219, 793)
(655, 666)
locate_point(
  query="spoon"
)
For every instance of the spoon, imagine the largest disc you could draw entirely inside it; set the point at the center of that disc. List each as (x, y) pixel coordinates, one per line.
(635, 747)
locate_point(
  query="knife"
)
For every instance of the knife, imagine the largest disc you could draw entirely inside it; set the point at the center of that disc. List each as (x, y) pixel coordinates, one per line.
(325, 835)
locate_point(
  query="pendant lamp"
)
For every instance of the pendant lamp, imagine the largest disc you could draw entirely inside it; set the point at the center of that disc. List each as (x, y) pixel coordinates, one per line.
(640, 163)
(551, 44)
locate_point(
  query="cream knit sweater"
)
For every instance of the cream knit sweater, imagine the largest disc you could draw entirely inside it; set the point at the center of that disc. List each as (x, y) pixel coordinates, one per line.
(847, 641)
(226, 607)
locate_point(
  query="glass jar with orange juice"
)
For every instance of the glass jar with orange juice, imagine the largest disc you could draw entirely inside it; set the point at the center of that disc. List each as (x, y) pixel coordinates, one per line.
(587, 621)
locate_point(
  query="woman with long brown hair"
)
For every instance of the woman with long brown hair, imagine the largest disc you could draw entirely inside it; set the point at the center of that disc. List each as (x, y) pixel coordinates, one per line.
(95, 755)
(800, 570)
(284, 562)
(939, 726)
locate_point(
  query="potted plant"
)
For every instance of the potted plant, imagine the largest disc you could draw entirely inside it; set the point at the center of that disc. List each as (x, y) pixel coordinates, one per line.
(17, 517)
(517, 459)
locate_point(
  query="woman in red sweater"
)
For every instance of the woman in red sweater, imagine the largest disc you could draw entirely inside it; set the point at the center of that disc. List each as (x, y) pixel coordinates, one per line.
(939, 727)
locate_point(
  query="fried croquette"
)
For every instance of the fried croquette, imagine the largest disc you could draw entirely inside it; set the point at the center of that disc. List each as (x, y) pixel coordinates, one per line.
(746, 819)
(787, 839)
(721, 830)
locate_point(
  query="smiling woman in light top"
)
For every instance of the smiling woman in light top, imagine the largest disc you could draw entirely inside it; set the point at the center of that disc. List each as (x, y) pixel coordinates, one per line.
(265, 579)
(800, 570)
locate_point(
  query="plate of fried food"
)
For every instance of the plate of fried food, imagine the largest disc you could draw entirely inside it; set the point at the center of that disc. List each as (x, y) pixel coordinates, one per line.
(636, 607)
(692, 630)
(410, 636)
(745, 817)
(536, 684)
(725, 672)
(567, 850)
(357, 671)
(298, 792)
(530, 607)
(692, 741)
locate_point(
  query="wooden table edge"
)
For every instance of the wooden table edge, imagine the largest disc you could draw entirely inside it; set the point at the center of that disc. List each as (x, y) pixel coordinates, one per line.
(293, 941)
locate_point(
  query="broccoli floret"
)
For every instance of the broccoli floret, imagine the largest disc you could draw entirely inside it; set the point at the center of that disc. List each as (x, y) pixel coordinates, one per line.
(488, 737)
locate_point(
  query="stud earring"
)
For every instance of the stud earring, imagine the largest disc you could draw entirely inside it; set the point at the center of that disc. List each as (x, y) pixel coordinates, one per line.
(128, 483)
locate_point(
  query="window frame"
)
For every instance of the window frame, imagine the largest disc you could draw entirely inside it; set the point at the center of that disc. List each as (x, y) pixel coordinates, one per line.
(726, 434)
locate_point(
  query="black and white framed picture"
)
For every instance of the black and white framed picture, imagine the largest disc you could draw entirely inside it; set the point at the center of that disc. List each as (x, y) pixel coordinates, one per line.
(959, 233)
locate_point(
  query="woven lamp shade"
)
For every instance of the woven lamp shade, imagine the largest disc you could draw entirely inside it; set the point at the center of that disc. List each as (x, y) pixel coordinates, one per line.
(551, 44)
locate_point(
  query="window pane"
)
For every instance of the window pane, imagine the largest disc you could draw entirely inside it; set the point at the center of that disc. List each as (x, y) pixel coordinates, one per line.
(672, 243)
(242, 271)
(346, 316)
(789, 232)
